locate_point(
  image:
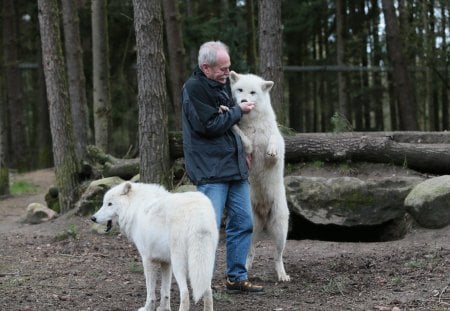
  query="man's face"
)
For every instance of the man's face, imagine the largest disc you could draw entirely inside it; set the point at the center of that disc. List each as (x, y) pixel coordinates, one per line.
(221, 70)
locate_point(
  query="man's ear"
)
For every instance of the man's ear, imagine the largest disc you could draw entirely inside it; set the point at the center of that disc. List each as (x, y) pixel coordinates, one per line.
(205, 68)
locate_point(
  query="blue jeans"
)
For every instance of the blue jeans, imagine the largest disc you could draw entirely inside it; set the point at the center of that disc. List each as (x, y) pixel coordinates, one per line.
(235, 197)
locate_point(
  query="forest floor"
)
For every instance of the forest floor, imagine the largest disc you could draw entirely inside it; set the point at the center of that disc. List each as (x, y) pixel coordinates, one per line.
(64, 265)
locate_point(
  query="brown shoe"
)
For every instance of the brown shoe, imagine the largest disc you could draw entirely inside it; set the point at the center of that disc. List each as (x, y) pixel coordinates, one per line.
(244, 286)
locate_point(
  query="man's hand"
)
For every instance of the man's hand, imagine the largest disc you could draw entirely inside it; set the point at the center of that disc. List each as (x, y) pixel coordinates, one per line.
(246, 107)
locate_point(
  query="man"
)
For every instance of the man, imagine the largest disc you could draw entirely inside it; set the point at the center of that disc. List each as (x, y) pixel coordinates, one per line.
(215, 159)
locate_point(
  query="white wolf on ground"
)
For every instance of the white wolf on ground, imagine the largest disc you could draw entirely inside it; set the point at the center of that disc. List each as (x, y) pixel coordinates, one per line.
(172, 231)
(268, 194)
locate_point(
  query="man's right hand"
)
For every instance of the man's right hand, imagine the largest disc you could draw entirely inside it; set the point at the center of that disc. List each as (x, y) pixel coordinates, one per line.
(246, 107)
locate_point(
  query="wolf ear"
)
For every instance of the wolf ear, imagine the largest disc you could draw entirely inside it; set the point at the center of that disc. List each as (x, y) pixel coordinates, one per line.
(267, 86)
(234, 76)
(126, 188)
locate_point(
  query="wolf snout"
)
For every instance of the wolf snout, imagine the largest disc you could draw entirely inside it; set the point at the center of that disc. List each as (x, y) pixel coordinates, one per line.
(244, 100)
(94, 219)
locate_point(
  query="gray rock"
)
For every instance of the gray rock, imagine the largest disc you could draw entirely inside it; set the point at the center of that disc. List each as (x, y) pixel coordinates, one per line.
(38, 213)
(429, 202)
(348, 201)
(92, 197)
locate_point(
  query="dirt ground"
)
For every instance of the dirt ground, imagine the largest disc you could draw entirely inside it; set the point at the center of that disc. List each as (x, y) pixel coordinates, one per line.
(64, 265)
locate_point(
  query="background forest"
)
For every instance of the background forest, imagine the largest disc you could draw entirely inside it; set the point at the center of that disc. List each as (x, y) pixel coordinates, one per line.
(338, 65)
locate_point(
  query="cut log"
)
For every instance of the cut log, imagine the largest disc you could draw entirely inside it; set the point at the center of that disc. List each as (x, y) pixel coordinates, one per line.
(427, 158)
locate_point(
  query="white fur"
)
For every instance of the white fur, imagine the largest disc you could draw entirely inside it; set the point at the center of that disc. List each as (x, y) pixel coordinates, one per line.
(268, 195)
(171, 231)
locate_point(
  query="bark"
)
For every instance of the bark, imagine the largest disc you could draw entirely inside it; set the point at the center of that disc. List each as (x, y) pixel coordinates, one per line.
(4, 171)
(422, 152)
(270, 52)
(75, 74)
(177, 54)
(403, 84)
(153, 134)
(43, 135)
(111, 166)
(100, 64)
(57, 94)
(17, 156)
(340, 58)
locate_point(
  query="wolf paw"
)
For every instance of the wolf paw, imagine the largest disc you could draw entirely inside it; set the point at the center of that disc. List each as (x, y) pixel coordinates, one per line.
(272, 151)
(223, 108)
(284, 278)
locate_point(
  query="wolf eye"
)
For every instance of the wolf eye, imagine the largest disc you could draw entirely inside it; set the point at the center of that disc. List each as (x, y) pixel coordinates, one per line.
(240, 90)
(109, 204)
(253, 92)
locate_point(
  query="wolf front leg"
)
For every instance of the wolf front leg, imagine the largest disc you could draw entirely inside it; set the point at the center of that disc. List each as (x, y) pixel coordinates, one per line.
(248, 146)
(150, 272)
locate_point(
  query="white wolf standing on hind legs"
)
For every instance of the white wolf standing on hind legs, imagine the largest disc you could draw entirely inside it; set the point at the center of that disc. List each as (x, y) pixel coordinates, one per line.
(268, 194)
(172, 231)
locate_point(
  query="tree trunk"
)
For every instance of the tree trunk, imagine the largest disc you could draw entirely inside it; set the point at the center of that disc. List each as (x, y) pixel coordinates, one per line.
(270, 52)
(251, 35)
(100, 66)
(153, 134)
(43, 135)
(57, 93)
(340, 57)
(75, 73)
(403, 84)
(17, 156)
(177, 54)
(4, 172)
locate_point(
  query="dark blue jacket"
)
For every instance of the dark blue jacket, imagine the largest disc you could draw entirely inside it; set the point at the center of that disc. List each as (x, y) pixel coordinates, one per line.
(212, 151)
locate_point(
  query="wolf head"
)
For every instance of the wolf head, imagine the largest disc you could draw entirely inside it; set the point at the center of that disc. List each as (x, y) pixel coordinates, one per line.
(249, 87)
(113, 202)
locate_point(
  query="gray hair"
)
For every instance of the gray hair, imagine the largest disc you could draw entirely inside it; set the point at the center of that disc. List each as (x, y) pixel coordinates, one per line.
(207, 53)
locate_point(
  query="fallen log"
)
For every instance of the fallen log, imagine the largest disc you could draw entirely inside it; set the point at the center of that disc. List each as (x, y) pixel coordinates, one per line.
(427, 152)
(428, 158)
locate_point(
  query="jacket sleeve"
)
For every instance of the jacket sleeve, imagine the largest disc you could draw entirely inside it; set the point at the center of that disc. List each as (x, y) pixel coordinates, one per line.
(204, 118)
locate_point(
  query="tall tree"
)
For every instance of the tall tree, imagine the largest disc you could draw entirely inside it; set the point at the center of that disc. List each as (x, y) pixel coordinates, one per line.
(340, 55)
(445, 62)
(75, 74)
(66, 167)
(100, 64)
(4, 171)
(13, 82)
(270, 33)
(153, 134)
(43, 135)
(403, 85)
(177, 53)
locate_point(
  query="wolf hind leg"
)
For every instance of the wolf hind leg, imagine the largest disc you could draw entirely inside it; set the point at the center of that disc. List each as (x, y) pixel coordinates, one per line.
(166, 279)
(180, 272)
(278, 230)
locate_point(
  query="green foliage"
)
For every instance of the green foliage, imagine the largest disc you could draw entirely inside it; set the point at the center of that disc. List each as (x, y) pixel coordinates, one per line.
(135, 267)
(22, 187)
(340, 123)
(70, 232)
(4, 181)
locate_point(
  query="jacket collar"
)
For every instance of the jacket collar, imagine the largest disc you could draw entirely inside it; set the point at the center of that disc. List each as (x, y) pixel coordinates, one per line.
(199, 74)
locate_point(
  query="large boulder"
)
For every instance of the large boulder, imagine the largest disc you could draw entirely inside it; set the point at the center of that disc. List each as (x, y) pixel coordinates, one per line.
(349, 201)
(92, 197)
(429, 202)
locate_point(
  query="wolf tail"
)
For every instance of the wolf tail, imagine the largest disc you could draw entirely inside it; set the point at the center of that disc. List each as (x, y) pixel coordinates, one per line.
(201, 258)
